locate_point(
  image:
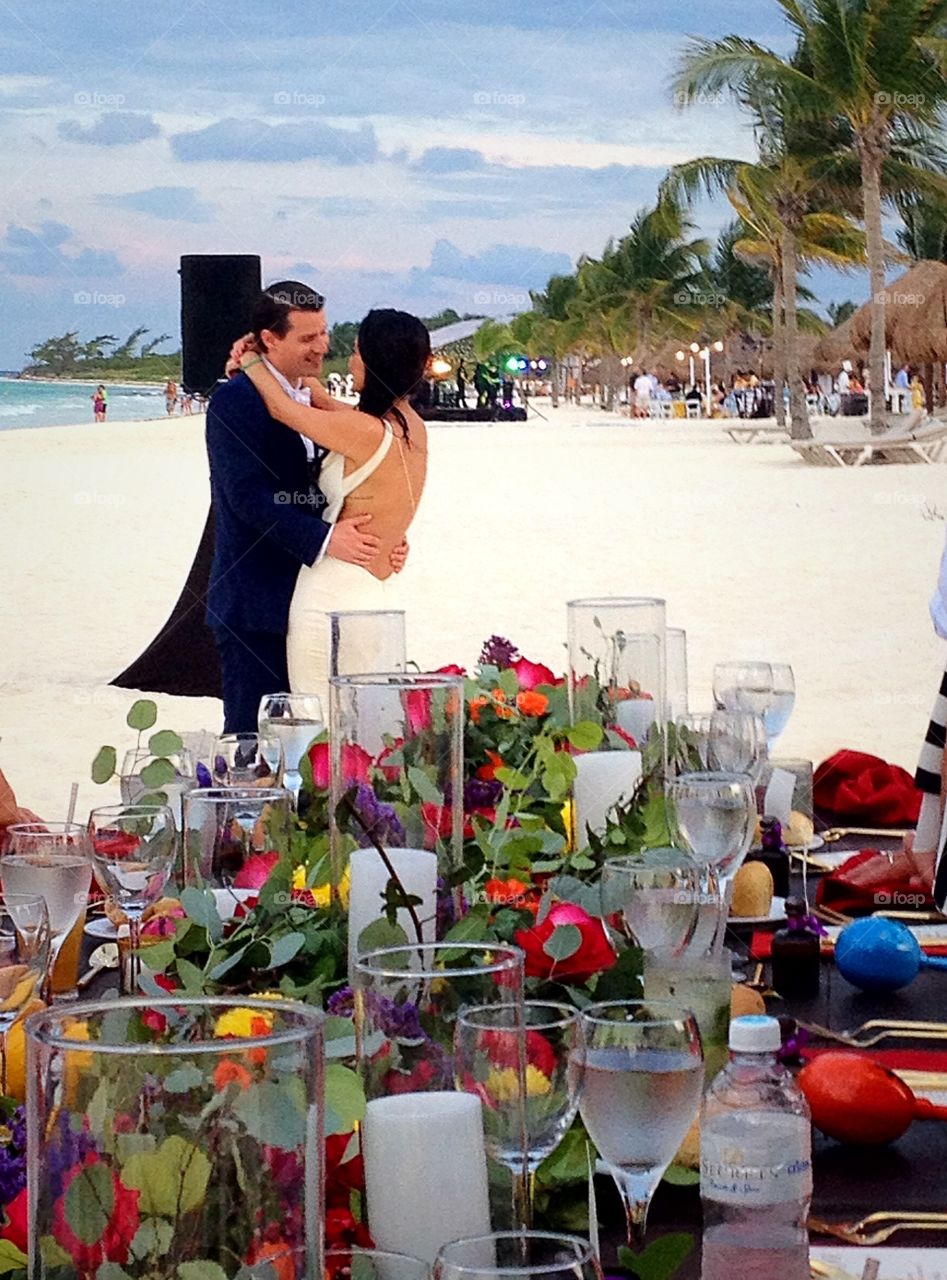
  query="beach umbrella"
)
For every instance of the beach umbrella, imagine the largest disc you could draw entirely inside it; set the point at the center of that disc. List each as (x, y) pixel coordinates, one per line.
(915, 316)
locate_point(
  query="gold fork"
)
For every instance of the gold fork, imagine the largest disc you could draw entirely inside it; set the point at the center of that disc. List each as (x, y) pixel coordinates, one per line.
(839, 833)
(878, 1029)
(860, 1232)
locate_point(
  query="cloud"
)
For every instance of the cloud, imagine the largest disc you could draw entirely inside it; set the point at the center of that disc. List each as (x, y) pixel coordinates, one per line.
(25, 251)
(450, 160)
(525, 265)
(258, 142)
(112, 129)
(170, 204)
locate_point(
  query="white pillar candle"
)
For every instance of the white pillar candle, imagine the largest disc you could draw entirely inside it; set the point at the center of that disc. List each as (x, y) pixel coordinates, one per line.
(636, 716)
(417, 871)
(425, 1171)
(602, 779)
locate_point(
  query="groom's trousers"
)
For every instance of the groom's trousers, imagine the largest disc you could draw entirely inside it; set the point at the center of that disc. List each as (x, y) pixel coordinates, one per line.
(252, 663)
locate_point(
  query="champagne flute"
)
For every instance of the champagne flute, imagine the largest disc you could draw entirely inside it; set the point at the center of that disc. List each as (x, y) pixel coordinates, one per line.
(53, 861)
(743, 686)
(524, 1062)
(133, 848)
(784, 699)
(517, 1255)
(247, 760)
(24, 960)
(295, 720)
(644, 1073)
(651, 899)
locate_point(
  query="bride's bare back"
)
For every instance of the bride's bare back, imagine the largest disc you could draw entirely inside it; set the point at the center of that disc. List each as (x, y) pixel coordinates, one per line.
(392, 493)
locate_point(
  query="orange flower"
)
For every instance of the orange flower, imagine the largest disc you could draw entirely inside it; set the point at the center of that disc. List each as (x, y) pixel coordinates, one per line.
(531, 703)
(511, 890)
(503, 711)
(278, 1254)
(475, 706)
(228, 1072)
(488, 772)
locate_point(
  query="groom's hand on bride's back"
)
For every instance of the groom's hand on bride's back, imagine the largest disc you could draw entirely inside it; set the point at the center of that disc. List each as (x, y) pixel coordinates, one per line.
(350, 542)
(398, 555)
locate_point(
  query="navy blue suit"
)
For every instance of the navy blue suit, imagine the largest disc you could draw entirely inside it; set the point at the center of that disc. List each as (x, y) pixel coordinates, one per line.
(267, 524)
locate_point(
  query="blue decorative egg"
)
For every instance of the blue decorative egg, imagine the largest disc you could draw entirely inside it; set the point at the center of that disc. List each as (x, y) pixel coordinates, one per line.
(877, 954)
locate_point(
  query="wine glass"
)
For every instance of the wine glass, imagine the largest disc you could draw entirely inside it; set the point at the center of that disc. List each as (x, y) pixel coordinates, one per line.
(294, 719)
(524, 1062)
(743, 686)
(24, 960)
(644, 1072)
(166, 778)
(53, 861)
(517, 1255)
(133, 848)
(737, 742)
(247, 760)
(784, 699)
(651, 899)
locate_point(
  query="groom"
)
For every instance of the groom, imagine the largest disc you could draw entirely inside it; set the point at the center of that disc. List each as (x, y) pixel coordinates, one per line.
(267, 506)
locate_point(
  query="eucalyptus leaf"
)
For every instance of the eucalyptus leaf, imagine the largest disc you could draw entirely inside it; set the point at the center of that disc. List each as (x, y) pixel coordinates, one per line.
(165, 743)
(200, 905)
(344, 1099)
(425, 788)
(11, 1259)
(142, 714)
(286, 948)
(103, 766)
(171, 1180)
(585, 736)
(203, 1269)
(158, 773)
(564, 941)
(274, 1114)
(661, 1259)
(89, 1203)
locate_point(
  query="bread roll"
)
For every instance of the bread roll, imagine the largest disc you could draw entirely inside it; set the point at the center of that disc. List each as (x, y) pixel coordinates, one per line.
(752, 890)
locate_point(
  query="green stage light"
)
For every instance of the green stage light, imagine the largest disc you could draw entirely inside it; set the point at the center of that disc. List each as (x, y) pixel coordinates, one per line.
(513, 363)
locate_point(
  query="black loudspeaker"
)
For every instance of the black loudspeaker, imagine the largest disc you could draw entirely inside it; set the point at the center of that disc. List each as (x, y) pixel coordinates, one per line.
(218, 292)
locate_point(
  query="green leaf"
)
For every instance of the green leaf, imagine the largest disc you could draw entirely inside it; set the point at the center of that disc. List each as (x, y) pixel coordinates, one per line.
(585, 736)
(563, 942)
(678, 1175)
(508, 682)
(512, 778)
(90, 1201)
(660, 1259)
(203, 1270)
(381, 934)
(191, 978)
(142, 714)
(103, 766)
(472, 927)
(157, 774)
(154, 1236)
(425, 788)
(172, 1180)
(286, 948)
(10, 1257)
(111, 1271)
(623, 980)
(274, 1114)
(344, 1099)
(183, 1078)
(165, 743)
(200, 906)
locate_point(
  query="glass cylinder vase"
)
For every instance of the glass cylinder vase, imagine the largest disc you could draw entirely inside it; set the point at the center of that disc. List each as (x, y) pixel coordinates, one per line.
(422, 1192)
(226, 828)
(173, 1137)
(396, 748)
(618, 663)
(676, 691)
(363, 640)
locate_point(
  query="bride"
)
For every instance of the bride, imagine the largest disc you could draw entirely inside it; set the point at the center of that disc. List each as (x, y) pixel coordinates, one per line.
(377, 464)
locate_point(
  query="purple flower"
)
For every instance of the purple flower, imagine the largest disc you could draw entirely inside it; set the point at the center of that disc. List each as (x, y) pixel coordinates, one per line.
(13, 1157)
(499, 652)
(480, 794)
(341, 1004)
(446, 909)
(203, 775)
(380, 819)
(66, 1147)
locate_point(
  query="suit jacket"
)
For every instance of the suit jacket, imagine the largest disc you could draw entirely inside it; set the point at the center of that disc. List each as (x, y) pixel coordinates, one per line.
(267, 519)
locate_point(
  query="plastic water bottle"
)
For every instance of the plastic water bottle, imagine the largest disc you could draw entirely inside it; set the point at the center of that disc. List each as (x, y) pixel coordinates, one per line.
(755, 1163)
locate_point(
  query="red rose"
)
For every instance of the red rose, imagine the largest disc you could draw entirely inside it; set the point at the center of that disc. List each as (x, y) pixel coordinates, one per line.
(451, 669)
(417, 706)
(392, 772)
(530, 674)
(343, 1231)
(356, 764)
(593, 955)
(16, 1228)
(255, 871)
(114, 1244)
(438, 822)
(342, 1176)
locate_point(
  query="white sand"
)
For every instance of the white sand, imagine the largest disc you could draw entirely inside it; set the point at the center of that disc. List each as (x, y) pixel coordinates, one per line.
(758, 555)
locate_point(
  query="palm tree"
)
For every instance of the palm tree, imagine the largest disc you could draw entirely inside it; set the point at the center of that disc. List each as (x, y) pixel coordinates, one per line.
(839, 312)
(924, 234)
(549, 330)
(878, 66)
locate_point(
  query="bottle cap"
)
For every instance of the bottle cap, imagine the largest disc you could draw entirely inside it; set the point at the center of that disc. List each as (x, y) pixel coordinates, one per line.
(755, 1033)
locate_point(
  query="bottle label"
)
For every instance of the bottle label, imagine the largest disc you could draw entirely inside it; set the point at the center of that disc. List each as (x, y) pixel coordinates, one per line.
(748, 1169)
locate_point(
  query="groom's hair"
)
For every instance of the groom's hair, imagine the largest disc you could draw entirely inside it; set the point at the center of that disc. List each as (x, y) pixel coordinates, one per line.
(278, 300)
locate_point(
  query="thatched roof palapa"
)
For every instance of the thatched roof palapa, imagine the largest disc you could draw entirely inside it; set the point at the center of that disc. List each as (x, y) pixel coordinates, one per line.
(915, 322)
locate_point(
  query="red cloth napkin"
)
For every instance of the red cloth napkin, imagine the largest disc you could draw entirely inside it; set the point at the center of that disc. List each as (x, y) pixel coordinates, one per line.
(894, 1059)
(835, 891)
(857, 787)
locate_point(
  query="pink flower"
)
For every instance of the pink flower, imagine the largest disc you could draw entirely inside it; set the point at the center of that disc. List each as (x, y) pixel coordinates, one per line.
(255, 871)
(356, 764)
(531, 674)
(451, 669)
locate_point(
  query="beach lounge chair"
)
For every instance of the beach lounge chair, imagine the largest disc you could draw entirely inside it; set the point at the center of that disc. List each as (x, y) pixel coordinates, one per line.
(908, 441)
(751, 432)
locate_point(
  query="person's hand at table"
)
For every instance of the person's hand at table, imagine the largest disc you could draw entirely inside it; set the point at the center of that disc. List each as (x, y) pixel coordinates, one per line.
(914, 868)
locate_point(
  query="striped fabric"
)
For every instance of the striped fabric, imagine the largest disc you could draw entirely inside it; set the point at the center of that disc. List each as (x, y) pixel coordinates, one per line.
(927, 777)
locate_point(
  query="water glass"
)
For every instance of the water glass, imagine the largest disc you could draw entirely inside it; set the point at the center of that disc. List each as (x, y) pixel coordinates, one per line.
(743, 686)
(226, 827)
(713, 817)
(148, 778)
(24, 960)
(246, 760)
(133, 852)
(651, 899)
(517, 1255)
(53, 861)
(295, 720)
(525, 1063)
(737, 742)
(693, 741)
(644, 1073)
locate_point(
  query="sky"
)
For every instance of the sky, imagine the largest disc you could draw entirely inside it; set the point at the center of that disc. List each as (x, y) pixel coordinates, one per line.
(405, 153)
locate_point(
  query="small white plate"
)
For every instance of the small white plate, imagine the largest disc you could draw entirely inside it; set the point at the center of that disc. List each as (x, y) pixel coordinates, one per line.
(815, 843)
(102, 927)
(777, 913)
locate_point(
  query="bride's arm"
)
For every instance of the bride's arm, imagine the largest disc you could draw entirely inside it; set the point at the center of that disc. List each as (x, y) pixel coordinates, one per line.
(320, 397)
(350, 433)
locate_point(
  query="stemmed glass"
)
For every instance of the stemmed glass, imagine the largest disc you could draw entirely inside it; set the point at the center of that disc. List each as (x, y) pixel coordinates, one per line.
(524, 1062)
(784, 699)
(737, 742)
(644, 1072)
(651, 899)
(743, 686)
(246, 760)
(295, 720)
(694, 738)
(133, 848)
(144, 774)
(51, 860)
(24, 960)
(517, 1255)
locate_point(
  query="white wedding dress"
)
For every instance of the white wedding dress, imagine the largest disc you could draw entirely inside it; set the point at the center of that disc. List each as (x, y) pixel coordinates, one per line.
(332, 585)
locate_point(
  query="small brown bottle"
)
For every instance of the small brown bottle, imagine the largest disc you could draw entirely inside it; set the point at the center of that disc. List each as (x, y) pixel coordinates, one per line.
(796, 955)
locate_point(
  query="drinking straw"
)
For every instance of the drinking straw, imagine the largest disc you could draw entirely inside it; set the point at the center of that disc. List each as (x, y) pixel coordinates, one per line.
(73, 797)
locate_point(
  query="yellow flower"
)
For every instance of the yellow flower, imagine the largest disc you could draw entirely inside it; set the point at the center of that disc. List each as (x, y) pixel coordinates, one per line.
(322, 893)
(244, 1023)
(568, 819)
(503, 1084)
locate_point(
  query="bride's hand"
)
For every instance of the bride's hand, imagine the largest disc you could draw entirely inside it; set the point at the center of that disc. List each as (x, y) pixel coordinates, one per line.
(243, 346)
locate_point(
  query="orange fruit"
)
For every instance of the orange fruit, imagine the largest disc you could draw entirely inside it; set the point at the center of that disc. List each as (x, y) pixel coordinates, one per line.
(15, 1046)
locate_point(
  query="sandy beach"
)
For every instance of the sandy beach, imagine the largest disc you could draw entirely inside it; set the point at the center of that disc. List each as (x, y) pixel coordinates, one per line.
(757, 554)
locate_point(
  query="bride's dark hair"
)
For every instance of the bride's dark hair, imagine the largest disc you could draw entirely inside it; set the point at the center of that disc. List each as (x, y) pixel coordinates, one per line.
(395, 348)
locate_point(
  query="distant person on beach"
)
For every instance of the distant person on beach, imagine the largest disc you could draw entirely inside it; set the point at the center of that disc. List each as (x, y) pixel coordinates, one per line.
(170, 396)
(643, 389)
(902, 379)
(100, 403)
(270, 514)
(461, 385)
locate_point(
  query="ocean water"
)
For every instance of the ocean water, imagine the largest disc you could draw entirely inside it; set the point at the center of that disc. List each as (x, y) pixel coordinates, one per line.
(53, 404)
